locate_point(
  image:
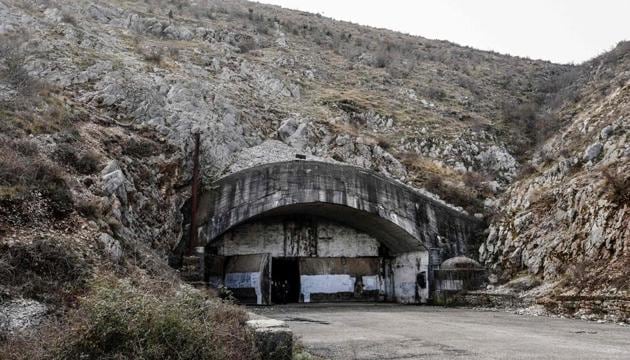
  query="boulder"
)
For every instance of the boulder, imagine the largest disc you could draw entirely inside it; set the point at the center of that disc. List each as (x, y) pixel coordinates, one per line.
(606, 132)
(114, 181)
(21, 314)
(111, 246)
(593, 151)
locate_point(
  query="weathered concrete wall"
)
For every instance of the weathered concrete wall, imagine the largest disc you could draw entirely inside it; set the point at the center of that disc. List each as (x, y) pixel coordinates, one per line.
(297, 236)
(335, 278)
(407, 268)
(336, 257)
(274, 339)
(399, 216)
(335, 211)
(247, 277)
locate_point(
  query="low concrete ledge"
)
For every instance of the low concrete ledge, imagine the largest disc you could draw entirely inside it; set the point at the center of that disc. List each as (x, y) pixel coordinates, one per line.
(482, 298)
(274, 339)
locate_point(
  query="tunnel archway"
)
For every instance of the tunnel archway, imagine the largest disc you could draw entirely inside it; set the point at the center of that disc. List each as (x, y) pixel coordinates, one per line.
(407, 222)
(310, 185)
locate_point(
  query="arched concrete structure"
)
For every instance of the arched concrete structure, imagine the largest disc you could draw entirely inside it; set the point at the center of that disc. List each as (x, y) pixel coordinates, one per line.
(398, 215)
(339, 231)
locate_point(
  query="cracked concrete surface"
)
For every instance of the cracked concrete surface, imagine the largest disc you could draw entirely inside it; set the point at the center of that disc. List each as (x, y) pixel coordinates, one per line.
(388, 331)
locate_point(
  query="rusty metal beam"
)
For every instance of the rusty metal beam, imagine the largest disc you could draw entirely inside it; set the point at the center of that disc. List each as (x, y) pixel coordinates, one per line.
(195, 196)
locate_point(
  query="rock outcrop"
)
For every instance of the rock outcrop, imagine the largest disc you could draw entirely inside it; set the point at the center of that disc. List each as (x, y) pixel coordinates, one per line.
(568, 221)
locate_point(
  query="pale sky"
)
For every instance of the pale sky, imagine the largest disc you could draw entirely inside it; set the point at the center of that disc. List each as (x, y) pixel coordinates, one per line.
(561, 31)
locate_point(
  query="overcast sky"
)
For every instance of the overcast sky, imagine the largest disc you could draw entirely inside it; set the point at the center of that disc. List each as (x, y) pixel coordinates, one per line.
(561, 31)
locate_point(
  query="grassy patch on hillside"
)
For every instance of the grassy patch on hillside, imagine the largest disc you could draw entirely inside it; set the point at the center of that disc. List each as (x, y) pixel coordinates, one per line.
(126, 319)
(45, 269)
(25, 177)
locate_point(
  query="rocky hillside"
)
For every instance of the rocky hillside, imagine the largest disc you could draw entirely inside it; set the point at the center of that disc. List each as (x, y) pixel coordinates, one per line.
(567, 220)
(417, 109)
(99, 100)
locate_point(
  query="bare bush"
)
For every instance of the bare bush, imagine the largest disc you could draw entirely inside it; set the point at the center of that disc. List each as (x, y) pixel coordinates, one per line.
(619, 186)
(12, 71)
(477, 182)
(153, 55)
(85, 163)
(121, 320)
(435, 93)
(139, 148)
(383, 58)
(527, 118)
(454, 194)
(383, 143)
(24, 177)
(45, 270)
(247, 44)
(69, 19)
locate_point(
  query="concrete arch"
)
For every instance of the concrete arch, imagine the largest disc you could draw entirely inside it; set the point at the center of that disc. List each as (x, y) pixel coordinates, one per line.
(399, 216)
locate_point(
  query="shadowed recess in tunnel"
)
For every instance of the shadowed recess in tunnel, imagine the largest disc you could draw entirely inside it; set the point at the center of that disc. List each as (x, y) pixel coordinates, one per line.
(395, 238)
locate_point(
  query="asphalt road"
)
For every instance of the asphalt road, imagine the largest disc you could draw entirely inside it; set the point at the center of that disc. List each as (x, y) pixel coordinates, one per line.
(387, 331)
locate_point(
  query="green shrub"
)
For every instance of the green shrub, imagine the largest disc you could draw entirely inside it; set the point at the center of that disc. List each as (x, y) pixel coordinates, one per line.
(120, 321)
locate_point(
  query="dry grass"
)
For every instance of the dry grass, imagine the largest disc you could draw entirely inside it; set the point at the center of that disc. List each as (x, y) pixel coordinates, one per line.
(22, 178)
(45, 269)
(619, 186)
(424, 167)
(137, 318)
(465, 190)
(542, 200)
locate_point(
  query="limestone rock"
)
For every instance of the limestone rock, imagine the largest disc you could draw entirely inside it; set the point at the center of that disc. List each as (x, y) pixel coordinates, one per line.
(606, 132)
(114, 181)
(294, 132)
(498, 159)
(177, 33)
(593, 151)
(21, 314)
(267, 152)
(111, 246)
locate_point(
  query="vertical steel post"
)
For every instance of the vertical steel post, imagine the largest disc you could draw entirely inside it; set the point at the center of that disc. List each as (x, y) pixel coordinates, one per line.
(195, 194)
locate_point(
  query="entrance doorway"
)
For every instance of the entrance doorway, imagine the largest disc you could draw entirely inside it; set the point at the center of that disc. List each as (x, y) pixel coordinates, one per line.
(285, 280)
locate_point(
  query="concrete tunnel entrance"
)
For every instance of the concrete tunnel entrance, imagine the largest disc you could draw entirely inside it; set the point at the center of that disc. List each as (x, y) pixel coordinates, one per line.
(285, 280)
(307, 231)
(300, 254)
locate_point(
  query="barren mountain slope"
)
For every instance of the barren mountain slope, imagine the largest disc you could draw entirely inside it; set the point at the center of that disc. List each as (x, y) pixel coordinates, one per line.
(245, 73)
(567, 221)
(99, 100)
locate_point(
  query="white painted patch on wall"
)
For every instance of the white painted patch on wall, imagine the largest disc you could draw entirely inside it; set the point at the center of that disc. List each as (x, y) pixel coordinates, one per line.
(245, 280)
(371, 283)
(406, 268)
(325, 284)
